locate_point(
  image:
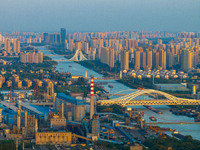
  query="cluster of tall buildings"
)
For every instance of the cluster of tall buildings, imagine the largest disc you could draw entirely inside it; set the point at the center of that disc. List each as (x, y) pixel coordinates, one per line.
(107, 56)
(12, 46)
(189, 58)
(31, 57)
(131, 48)
(24, 37)
(181, 51)
(125, 47)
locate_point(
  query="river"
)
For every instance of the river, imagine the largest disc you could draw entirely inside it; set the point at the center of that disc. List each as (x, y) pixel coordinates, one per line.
(185, 129)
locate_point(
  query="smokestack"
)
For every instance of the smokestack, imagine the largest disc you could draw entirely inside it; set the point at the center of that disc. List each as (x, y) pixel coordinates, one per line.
(19, 104)
(194, 89)
(1, 114)
(18, 120)
(26, 118)
(85, 73)
(92, 98)
(36, 125)
(54, 101)
(62, 116)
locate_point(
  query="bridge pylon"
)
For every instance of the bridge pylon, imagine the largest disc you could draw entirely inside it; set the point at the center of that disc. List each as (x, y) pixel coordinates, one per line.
(78, 56)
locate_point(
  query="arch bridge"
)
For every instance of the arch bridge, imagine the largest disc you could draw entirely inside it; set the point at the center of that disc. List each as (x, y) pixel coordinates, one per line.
(156, 98)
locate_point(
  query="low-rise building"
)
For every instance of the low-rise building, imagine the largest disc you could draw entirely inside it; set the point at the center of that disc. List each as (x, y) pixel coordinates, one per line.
(43, 138)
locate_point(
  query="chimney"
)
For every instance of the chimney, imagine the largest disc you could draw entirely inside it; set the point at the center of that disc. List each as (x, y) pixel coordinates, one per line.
(62, 116)
(36, 125)
(1, 114)
(26, 119)
(92, 98)
(19, 104)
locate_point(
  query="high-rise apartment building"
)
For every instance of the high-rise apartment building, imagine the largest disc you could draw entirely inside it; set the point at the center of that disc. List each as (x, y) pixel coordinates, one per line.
(7, 46)
(104, 55)
(31, 57)
(46, 37)
(111, 57)
(155, 59)
(85, 47)
(71, 44)
(63, 36)
(186, 59)
(124, 61)
(16, 46)
(107, 56)
(138, 60)
(162, 59)
(169, 59)
(149, 59)
(78, 45)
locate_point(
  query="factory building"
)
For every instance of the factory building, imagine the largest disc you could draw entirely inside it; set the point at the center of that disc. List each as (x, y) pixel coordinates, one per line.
(39, 112)
(64, 138)
(59, 121)
(74, 109)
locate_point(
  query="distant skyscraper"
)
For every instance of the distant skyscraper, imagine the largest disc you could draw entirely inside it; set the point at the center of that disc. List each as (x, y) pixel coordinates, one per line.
(104, 55)
(186, 59)
(78, 45)
(16, 46)
(63, 36)
(155, 60)
(149, 59)
(71, 44)
(111, 57)
(137, 59)
(31, 57)
(46, 37)
(169, 59)
(7, 46)
(162, 59)
(124, 59)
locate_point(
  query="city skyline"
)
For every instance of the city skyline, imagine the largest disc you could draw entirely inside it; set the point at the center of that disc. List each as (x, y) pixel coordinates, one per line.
(83, 16)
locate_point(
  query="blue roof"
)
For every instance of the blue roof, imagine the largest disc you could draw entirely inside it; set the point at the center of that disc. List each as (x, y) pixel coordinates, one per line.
(70, 99)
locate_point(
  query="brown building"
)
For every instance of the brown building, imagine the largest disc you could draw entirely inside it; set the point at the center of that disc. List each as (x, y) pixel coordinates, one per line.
(155, 59)
(58, 122)
(31, 57)
(7, 46)
(142, 59)
(149, 59)
(124, 59)
(111, 57)
(16, 46)
(137, 59)
(64, 138)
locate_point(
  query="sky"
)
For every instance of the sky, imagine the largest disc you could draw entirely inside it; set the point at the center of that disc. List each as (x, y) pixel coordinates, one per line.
(100, 15)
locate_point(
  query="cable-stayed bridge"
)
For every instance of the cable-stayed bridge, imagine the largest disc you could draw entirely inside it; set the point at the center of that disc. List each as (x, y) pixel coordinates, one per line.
(78, 56)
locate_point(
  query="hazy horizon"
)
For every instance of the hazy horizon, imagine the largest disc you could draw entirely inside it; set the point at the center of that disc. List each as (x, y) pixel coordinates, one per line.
(101, 15)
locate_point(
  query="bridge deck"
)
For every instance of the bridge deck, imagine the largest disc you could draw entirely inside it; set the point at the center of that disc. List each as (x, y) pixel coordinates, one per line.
(172, 123)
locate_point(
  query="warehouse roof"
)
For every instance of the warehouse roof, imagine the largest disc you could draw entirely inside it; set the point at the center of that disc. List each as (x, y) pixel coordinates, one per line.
(70, 99)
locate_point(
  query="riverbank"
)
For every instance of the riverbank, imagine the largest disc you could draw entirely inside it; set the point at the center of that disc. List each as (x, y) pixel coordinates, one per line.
(99, 67)
(185, 129)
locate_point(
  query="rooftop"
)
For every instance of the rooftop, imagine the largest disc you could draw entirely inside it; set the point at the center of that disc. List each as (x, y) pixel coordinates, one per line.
(70, 99)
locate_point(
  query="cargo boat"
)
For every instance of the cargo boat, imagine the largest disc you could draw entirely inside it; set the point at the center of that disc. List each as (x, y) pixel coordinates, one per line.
(110, 86)
(105, 90)
(161, 129)
(153, 109)
(152, 118)
(178, 135)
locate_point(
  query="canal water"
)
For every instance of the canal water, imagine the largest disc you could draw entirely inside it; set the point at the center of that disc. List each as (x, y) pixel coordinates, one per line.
(167, 116)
